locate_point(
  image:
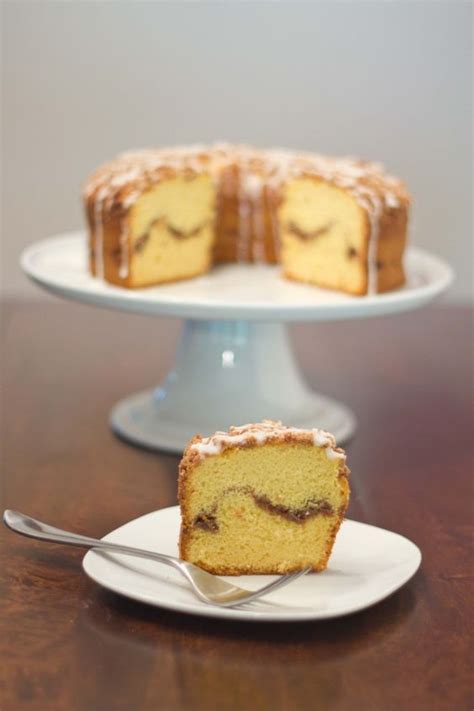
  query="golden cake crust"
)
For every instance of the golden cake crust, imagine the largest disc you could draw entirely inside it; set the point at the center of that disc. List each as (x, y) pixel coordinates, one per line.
(269, 433)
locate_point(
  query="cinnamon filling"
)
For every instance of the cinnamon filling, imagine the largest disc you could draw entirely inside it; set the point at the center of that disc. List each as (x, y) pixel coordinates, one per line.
(141, 242)
(178, 234)
(306, 236)
(207, 520)
(313, 508)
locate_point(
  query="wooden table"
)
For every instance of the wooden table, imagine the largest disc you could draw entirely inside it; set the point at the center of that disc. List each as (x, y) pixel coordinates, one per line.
(67, 644)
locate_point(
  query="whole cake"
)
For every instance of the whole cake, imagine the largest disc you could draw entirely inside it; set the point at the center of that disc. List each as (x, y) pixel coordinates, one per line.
(162, 215)
(261, 499)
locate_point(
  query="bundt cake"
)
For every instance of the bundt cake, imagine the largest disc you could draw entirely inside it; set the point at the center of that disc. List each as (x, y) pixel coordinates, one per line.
(156, 216)
(261, 499)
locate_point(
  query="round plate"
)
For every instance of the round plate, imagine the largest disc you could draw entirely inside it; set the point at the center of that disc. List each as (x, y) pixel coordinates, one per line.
(237, 291)
(367, 564)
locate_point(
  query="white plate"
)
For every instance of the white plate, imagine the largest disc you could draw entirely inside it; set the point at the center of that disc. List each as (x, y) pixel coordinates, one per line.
(367, 564)
(241, 291)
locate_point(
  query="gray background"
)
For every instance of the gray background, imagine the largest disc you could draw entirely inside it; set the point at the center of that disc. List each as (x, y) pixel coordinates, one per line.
(389, 81)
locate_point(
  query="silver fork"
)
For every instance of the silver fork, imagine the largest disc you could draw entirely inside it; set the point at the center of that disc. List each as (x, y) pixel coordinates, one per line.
(209, 588)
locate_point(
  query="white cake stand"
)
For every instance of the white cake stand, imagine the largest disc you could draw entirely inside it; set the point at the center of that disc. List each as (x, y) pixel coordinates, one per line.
(234, 364)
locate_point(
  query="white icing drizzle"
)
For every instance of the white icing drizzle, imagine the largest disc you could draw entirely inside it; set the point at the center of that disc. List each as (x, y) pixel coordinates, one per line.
(253, 188)
(131, 199)
(124, 249)
(372, 268)
(261, 433)
(99, 233)
(391, 200)
(243, 237)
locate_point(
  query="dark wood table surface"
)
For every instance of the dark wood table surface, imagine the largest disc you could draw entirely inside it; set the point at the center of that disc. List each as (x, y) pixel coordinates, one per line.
(65, 643)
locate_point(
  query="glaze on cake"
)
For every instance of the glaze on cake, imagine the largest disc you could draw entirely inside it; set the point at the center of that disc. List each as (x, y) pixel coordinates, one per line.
(261, 499)
(168, 214)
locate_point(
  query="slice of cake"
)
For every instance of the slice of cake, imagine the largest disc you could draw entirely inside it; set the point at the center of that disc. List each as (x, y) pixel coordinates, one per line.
(329, 238)
(261, 499)
(151, 217)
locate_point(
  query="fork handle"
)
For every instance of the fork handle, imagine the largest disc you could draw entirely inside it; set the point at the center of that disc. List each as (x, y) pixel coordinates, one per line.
(27, 526)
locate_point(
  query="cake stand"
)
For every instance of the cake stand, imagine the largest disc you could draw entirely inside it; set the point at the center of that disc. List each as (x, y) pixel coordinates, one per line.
(234, 363)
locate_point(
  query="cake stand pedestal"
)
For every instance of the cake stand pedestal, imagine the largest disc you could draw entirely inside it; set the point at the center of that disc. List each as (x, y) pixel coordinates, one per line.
(227, 372)
(234, 364)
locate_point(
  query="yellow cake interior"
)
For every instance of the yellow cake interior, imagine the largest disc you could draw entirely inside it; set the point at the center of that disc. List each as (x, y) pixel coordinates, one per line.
(244, 511)
(171, 230)
(324, 236)
(323, 233)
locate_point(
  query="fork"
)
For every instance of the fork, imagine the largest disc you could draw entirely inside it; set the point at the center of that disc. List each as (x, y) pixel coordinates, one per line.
(208, 588)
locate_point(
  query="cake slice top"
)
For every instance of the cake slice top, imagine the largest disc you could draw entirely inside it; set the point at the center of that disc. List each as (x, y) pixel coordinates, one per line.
(260, 433)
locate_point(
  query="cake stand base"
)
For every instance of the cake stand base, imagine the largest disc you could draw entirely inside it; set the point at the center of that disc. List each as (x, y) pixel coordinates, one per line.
(227, 373)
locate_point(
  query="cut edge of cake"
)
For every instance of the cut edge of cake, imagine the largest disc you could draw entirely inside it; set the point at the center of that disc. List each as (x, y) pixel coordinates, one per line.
(304, 528)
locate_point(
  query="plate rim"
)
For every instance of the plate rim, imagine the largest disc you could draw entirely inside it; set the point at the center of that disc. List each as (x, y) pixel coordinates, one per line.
(246, 614)
(136, 300)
